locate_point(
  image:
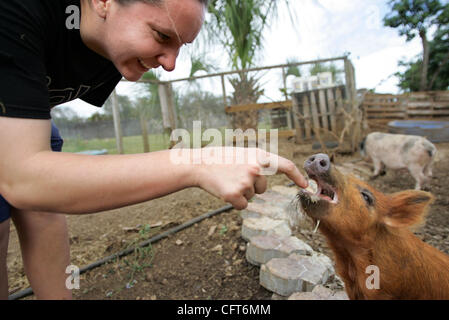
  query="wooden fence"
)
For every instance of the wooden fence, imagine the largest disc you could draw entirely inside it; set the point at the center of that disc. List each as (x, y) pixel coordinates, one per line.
(308, 111)
(300, 117)
(315, 109)
(319, 109)
(259, 106)
(379, 109)
(282, 108)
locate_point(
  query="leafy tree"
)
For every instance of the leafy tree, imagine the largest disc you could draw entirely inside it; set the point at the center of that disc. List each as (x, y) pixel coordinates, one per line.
(98, 116)
(153, 107)
(412, 18)
(126, 108)
(64, 115)
(409, 80)
(438, 76)
(148, 106)
(439, 65)
(200, 105)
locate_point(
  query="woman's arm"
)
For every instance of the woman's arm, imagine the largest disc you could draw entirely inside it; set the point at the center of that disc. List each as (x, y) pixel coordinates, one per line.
(32, 177)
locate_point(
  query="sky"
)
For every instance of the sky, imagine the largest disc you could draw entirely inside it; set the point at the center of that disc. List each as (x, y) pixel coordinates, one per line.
(323, 29)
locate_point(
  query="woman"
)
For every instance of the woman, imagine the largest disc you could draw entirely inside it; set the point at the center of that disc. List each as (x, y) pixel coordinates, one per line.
(45, 60)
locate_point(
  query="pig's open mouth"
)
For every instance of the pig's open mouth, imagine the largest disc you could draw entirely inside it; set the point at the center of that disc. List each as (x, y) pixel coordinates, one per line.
(320, 190)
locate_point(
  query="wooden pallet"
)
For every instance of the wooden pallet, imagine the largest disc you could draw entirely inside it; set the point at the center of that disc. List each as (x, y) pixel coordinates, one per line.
(382, 108)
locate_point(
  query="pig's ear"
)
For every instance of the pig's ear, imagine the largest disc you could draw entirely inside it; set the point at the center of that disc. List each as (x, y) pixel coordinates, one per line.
(407, 208)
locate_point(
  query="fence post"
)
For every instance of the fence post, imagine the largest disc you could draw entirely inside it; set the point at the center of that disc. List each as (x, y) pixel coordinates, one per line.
(288, 113)
(351, 93)
(117, 125)
(167, 108)
(223, 87)
(143, 127)
(296, 114)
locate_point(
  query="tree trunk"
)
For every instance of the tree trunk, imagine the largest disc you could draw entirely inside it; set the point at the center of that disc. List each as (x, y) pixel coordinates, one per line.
(425, 62)
(246, 91)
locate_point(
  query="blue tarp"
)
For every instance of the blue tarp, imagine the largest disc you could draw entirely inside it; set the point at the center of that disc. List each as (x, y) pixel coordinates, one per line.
(94, 152)
(435, 131)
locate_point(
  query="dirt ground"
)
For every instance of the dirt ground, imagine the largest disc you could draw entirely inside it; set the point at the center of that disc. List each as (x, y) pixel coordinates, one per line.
(207, 260)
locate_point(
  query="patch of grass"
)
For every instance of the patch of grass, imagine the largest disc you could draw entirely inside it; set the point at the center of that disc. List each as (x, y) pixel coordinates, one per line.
(223, 230)
(142, 257)
(145, 230)
(134, 144)
(135, 263)
(131, 145)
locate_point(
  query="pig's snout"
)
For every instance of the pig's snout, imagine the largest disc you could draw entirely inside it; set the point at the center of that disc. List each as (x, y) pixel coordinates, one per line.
(318, 164)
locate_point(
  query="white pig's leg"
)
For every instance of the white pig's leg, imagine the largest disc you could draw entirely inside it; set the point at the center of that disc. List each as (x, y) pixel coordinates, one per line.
(377, 168)
(417, 172)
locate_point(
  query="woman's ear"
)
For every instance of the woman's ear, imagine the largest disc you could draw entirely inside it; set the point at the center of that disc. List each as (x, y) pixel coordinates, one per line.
(101, 7)
(407, 208)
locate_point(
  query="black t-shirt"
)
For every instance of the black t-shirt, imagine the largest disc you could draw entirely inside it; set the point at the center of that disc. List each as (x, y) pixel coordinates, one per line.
(44, 62)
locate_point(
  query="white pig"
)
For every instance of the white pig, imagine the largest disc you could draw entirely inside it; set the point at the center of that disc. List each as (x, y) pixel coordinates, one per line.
(398, 151)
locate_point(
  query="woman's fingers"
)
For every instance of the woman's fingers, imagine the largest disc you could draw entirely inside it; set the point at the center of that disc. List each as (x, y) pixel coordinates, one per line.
(239, 203)
(260, 185)
(282, 165)
(242, 173)
(288, 168)
(249, 193)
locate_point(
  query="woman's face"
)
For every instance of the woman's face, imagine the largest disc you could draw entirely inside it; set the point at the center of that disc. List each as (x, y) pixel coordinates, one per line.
(140, 36)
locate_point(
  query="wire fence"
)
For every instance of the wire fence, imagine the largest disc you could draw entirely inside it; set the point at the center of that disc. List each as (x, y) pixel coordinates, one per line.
(140, 107)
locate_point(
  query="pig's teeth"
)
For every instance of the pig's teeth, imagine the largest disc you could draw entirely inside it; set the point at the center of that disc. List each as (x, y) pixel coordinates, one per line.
(335, 199)
(313, 187)
(317, 225)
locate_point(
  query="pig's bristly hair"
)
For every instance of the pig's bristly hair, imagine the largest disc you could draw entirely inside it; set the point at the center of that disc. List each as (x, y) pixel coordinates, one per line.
(379, 234)
(408, 209)
(295, 212)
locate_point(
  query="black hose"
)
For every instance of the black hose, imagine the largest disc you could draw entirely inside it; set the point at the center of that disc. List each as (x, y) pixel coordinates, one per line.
(27, 292)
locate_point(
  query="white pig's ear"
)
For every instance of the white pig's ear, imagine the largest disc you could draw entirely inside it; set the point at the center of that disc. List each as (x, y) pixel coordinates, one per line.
(407, 208)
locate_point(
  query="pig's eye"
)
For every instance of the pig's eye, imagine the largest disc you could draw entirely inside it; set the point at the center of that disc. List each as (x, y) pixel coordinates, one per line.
(368, 197)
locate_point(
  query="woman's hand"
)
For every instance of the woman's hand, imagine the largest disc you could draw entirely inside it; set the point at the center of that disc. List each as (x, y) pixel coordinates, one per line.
(235, 175)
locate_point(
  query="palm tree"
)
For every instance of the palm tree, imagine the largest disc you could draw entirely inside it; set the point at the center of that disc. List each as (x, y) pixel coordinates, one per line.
(198, 64)
(238, 26)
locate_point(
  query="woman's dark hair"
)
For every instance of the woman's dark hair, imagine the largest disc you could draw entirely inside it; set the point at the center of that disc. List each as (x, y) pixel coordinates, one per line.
(156, 2)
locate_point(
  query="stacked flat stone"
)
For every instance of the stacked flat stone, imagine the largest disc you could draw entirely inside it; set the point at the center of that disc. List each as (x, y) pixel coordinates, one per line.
(262, 249)
(253, 227)
(288, 266)
(319, 293)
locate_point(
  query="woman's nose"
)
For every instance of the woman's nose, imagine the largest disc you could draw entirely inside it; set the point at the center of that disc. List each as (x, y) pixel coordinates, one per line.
(168, 59)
